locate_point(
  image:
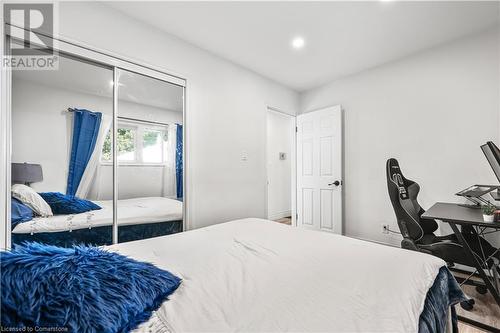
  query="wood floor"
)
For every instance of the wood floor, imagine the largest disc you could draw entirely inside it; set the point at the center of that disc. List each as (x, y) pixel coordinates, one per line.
(465, 328)
(285, 220)
(485, 310)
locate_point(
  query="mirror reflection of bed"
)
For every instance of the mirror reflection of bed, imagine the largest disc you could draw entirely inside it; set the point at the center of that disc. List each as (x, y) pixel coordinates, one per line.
(62, 121)
(149, 156)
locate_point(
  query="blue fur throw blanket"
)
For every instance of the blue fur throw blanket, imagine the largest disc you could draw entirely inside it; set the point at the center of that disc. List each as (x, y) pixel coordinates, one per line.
(80, 289)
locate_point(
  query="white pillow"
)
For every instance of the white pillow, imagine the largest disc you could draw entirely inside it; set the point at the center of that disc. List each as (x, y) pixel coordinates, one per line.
(30, 198)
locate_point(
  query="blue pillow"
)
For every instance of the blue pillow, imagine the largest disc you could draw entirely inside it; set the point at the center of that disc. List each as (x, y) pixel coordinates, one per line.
(19, 212)
(67, 204)
(81, 289)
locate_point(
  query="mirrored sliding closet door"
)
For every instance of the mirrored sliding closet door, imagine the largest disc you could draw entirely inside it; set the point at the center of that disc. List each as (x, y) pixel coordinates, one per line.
(97, 151)
(62, 194)
(149, 157)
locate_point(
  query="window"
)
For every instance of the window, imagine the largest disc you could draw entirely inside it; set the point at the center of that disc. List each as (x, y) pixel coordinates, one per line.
(152, 146)
(136, 144)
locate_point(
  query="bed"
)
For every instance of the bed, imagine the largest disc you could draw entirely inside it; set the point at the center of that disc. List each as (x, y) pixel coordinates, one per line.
(260, 276)
(138, 218)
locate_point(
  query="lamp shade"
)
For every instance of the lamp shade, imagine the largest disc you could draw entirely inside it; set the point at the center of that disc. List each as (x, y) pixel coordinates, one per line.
(25, 173)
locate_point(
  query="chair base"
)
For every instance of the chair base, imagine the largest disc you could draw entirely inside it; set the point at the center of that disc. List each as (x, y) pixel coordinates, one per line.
(468, 305)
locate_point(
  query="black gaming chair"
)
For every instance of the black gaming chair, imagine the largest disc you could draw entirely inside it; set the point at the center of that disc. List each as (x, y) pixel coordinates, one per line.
(418, 234)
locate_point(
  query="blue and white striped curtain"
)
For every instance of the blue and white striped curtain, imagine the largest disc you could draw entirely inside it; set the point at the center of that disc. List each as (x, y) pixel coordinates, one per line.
(86, 126)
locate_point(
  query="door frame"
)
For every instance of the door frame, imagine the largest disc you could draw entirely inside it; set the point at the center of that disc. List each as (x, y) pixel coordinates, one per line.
(116, 62)
(293, 163)
(342, 143)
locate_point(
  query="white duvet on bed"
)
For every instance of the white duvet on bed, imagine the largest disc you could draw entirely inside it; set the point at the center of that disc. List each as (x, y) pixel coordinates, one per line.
(130, 211)
(261, 276)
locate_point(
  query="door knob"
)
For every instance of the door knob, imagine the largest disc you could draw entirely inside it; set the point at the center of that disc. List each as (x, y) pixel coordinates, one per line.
(336, 183)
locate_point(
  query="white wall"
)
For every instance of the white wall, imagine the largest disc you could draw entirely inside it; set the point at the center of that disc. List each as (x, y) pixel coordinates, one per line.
(226, 113)
(280, 131)
(41, 133)
(41, 129)
(431, 111)
(4, 227)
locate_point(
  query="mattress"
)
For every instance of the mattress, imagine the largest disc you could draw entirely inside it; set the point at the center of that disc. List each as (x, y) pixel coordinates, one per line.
(130, 212)
(260, 276)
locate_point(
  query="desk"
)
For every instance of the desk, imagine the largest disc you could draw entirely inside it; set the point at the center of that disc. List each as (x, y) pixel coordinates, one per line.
(455, 215)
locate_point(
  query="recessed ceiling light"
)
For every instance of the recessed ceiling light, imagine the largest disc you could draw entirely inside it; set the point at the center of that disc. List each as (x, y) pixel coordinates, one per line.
(298, 43)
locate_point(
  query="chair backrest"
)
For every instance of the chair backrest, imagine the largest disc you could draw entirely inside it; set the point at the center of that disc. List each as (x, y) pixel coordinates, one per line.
(403, 193)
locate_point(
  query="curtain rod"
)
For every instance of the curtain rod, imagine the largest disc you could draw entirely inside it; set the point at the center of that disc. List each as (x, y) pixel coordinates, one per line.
(135, 119)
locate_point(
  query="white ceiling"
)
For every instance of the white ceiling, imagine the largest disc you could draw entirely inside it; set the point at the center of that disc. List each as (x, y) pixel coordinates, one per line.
(342, 38)
(91, 79)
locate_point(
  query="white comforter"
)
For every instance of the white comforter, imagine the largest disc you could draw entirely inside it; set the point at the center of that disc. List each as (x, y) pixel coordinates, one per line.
(130, 211)
(261, 276)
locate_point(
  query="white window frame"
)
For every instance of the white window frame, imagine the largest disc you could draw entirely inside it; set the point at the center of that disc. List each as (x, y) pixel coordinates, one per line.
(135, 130)
(163, 130)
(139, 128)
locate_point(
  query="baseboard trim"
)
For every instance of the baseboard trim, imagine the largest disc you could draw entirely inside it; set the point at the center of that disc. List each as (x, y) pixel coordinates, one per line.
(372, 241)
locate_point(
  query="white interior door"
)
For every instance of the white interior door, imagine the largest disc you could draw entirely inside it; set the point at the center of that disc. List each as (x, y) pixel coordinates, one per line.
(319, 170)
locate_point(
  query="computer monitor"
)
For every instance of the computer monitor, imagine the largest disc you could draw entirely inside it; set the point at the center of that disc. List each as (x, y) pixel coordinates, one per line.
(492, 154)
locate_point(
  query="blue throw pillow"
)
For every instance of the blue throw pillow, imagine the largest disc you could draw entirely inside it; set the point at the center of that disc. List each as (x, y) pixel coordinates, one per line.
(80, 289)
(67, 204)
(19, 212)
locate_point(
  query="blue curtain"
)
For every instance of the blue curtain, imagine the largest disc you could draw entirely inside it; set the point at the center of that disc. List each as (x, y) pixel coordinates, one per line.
(85, 131)
(178, 161)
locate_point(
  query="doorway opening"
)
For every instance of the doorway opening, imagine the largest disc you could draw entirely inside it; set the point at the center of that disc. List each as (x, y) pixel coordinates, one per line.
(281, 167)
